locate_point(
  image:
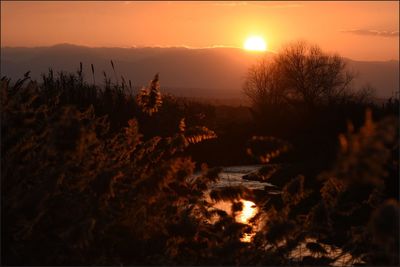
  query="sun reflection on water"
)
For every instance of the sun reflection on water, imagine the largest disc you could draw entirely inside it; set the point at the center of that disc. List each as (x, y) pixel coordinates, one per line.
(249, 210)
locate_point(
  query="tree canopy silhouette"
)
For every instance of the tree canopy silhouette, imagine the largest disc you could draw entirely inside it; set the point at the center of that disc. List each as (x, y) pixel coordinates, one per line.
(300, 73)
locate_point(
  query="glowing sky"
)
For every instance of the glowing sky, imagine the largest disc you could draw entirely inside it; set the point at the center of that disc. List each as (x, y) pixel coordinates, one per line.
(359, 30)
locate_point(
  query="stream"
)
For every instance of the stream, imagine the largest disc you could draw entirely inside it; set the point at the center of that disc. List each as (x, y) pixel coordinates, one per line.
(233, 176)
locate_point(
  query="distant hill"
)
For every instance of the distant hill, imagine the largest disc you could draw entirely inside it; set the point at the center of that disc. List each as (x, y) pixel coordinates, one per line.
(208, 72)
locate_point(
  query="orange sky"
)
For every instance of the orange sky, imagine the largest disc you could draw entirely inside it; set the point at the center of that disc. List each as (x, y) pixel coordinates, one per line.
(359, 30)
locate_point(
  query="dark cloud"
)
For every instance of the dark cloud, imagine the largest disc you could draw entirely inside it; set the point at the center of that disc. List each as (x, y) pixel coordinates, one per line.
(373, 32)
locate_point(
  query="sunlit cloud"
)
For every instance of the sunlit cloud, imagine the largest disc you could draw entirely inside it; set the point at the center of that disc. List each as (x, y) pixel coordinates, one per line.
(184, 46)
(372, 32)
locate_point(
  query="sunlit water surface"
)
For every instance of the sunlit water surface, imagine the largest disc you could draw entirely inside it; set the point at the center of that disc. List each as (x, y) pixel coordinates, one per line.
(233, 176)
(244, 216)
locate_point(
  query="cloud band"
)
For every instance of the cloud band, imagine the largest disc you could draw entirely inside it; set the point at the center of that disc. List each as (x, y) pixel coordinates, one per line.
(373, 32)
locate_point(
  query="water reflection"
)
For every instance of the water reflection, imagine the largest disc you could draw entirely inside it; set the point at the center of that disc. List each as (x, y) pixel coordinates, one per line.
(233, 176)
(249, 210)
(341, 258)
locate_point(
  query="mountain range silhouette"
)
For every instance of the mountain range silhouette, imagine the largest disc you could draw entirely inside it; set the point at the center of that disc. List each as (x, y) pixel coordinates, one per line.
(207, 72)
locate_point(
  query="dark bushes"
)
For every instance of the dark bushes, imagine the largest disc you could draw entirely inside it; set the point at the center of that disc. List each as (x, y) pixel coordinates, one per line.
(75, 192)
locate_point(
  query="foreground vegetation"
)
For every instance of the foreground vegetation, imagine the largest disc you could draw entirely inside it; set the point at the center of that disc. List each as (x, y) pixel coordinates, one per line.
(103, 176)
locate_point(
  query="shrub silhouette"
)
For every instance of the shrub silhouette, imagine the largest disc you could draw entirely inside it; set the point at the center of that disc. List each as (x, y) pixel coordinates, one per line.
(353, 209)
(98, 175)
(75, 192)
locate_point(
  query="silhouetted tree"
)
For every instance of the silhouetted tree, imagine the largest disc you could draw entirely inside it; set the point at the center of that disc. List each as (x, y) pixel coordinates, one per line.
(300, 72)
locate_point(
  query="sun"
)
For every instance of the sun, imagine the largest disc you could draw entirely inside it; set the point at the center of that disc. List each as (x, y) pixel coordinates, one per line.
(255, 43)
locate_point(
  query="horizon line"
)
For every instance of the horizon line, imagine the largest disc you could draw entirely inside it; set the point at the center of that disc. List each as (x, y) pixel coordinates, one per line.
(174, 46)
(127, 47)
(140, 47)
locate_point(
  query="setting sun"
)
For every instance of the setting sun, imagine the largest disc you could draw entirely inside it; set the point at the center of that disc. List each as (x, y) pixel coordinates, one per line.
(255, 43)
